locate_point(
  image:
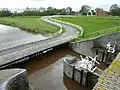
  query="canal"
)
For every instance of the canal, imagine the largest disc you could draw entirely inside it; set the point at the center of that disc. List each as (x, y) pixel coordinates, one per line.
(45, 72)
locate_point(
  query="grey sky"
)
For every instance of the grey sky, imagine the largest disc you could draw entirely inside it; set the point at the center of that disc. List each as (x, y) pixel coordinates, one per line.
(75, 4)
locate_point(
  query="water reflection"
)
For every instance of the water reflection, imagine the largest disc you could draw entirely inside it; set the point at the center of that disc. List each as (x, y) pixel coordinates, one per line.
(9, 34)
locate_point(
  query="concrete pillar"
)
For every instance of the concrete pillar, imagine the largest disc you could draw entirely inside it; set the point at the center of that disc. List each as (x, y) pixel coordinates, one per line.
(99, 56)
(105, 57)
(84, 79)
(78, 74)
(68, 69)
(14, 79)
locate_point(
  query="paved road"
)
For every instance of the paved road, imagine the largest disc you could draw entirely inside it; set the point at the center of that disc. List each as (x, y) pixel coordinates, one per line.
(12, 54)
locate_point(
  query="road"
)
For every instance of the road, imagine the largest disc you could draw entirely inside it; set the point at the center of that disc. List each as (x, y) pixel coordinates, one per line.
(15, 53)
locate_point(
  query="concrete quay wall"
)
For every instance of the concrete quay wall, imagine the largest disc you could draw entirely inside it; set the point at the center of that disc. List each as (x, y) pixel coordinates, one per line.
(87, 47)
(14, 79)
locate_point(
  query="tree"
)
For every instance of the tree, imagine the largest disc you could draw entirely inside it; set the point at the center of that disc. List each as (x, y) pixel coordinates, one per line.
(62, 11)
(115, 10)
(44, 12)
(85, 9)
(41, 9)
(98, 9)
(27, 9)
(68, 10)
(114, 7)
(5, 12)
(50, 8)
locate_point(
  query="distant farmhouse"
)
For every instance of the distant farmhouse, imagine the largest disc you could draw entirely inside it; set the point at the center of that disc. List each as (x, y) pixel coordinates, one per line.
(88, 11)
(99, 12)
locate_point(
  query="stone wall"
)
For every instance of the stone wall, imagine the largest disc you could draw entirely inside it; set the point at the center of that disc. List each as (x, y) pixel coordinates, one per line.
(13, 79)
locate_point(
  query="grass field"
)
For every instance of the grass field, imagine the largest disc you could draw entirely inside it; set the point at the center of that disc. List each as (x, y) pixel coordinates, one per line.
(94, 26)
(30, 23)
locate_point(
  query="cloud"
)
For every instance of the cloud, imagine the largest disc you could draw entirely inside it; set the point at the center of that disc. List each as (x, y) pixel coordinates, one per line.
(75, 4)
(38, 0)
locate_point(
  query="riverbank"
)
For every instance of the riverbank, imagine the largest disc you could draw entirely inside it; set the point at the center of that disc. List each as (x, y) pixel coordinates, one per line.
(32, 24)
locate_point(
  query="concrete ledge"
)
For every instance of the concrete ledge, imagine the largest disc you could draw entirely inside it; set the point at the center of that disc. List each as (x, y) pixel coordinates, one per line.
(13, 79)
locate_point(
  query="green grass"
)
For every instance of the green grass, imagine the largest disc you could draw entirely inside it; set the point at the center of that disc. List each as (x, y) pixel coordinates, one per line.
(30, 23)
(94, 26)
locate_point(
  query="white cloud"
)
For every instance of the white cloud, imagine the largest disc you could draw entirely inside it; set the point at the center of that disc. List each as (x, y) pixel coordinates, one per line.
(75, 4)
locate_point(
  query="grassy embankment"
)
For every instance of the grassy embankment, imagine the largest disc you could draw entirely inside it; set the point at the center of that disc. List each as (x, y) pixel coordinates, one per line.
(94, 26)
(30, 23)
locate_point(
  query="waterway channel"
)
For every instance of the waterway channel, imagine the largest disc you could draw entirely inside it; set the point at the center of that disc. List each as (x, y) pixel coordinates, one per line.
(45, 72)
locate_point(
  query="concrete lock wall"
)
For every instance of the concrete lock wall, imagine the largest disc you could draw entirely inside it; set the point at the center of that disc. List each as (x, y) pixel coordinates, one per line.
(81, 75)
(20, 82)
(103, 40)
(92, 79)
(83, 47)
(87, 47)
(14, 79)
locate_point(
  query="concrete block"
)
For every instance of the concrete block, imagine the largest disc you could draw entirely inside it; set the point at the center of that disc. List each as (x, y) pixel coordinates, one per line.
(84, 79)
(78, 74)
(68, 69)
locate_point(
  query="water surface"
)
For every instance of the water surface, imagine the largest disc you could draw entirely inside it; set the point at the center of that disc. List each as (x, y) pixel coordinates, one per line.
(46, 72)
(9, 34)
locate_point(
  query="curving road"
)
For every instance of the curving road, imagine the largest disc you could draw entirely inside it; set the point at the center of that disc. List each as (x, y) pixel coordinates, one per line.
(15, 53)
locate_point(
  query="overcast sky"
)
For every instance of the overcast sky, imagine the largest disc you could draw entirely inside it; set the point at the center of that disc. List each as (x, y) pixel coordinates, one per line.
(75, 4)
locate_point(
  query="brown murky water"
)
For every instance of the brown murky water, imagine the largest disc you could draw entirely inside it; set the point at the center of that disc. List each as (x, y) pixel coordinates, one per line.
(46, 72)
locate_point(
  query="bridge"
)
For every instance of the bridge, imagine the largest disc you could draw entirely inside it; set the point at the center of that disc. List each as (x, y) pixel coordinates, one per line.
(21, 52)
